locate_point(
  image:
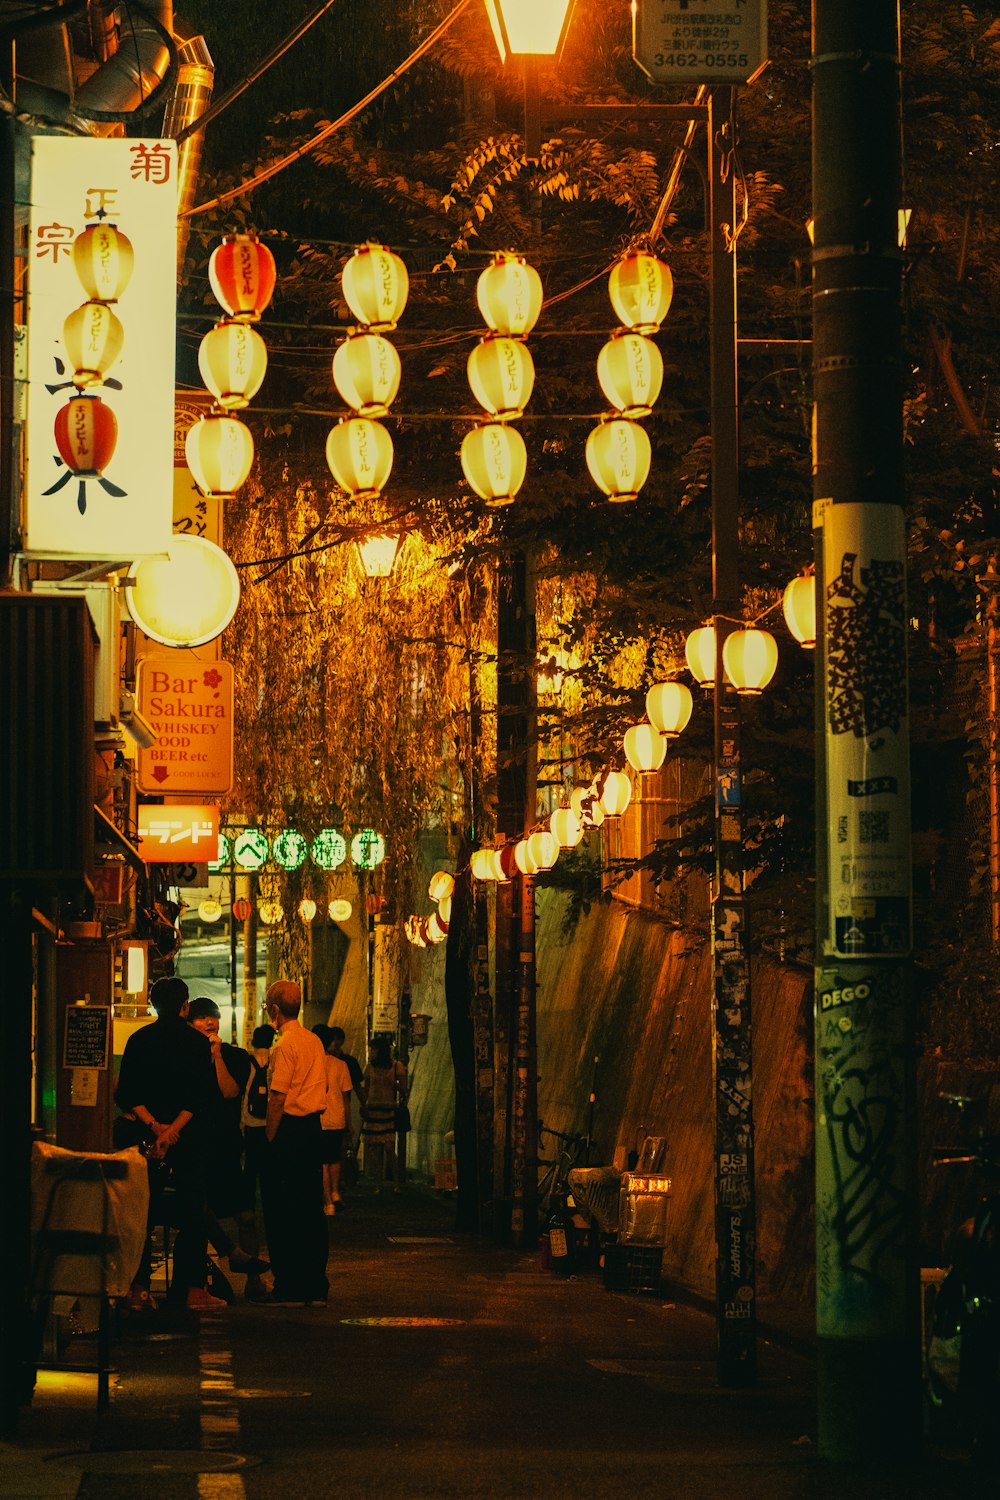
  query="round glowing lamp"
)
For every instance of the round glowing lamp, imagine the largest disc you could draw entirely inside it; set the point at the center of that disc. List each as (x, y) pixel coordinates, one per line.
(93, 337)
(669, 706)
(377, 554)
(619, 455)
(524, 859)
(328, 849)
(251, 849)
(271, 913)
(442, 884)
(750, 658)
(86, 434)
(219, 452)
(641, 288)
(481, 864)
(645, 748)
(566, 827)
(209, 910)
(502, 868)
(444, 910)
(340, 910)
(435, 929)
(587, 806)
(376, 286)
(242, 273)
(307, 909)
(103, 259)
(630, 373)
(289, 849)
(187, 599)
(699, 653)
(367, 372)
(615, 793)
(494, 461)
(502, 376)
(359, 456)
(798, 604)
(232, 359)
(509, 294)
(544, 849)
(367, 849)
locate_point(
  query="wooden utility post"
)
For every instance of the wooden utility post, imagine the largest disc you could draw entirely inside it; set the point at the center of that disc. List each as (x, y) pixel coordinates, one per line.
(867, 1280)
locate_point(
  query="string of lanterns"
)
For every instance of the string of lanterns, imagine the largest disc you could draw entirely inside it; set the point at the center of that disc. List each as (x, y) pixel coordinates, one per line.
(630, 373)
(367, 373)
(328, 850)
(501, 375)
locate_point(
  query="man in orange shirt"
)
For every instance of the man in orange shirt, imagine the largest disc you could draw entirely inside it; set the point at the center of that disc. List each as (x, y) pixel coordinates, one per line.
(292, 1177)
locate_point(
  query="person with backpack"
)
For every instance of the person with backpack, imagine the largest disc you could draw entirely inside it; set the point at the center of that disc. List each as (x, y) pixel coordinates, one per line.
(253, 1117)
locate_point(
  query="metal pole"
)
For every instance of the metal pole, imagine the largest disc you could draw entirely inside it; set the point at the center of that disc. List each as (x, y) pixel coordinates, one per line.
(233, 1028)
(988, 585)
(735, 1193)
(867, 1278)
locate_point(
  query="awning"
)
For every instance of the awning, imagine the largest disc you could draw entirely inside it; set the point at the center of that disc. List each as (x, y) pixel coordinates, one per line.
(105, 832)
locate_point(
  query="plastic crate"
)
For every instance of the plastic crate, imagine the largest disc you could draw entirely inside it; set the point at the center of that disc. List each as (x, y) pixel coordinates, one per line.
(634, 1268)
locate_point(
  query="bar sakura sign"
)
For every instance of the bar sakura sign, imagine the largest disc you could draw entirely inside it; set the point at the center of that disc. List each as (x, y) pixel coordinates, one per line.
(190, 705)
(101, 321)
(177, 833)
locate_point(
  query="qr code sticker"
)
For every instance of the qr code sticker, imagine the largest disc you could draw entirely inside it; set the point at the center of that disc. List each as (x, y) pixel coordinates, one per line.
(873, 827)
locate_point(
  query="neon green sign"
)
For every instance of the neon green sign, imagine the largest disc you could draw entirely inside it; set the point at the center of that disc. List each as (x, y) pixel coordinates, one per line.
(251, 849)
(221, 854)
(289, 849)
(329, 849)
(367, 849)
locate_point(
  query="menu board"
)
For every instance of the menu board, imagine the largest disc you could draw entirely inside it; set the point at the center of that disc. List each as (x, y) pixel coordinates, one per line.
(86, 1041)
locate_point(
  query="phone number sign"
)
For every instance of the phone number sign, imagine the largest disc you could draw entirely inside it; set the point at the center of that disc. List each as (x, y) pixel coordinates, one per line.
(698, 41)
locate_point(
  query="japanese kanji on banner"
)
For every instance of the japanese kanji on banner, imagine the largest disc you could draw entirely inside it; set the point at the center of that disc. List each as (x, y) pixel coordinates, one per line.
(177, 833)
(195, 514)
(101, 334)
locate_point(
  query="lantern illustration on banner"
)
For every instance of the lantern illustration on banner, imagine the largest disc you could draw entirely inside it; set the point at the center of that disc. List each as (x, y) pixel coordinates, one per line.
(86, 434)
(359, 456)
(93, 337)
(103, 259)
(242, 273)
(232, 359)
(376, 285)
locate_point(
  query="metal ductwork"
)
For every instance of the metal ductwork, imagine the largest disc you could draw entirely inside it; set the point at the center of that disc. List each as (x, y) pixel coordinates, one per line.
(138, 66)
(191, 97)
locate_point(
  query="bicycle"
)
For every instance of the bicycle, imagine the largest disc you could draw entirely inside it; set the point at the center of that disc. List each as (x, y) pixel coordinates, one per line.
(573, 1152)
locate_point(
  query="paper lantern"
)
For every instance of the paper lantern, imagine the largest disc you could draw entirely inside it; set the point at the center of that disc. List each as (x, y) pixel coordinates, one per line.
(103, 259)
(209, 910)
(441, 885)
(232, 359)
(502, 376)
(340, 910)
(377, 554)
(242, 273)
(567, 829)
(414, 935)
(93, 337)
(585, 803)
(328, 849)
(271, 913)
(645, 748)
(798, 604)
(630, 373)
(359, 456)
(503, 865)
(307, 909)
(186, 599)
(494, 461)
(376, 286)
(219, 452)
(669, 706)
(289, 849)
(750, 658)
(544, 849)
(641, 287)
(86, 434)
(524, 859)
(241, 909)
(481, 865)
(444, 910)
(509, 294)
(367, 372)
(699, 653)
(618, 457)
(435, 929)
(251, 849)
(615, 793)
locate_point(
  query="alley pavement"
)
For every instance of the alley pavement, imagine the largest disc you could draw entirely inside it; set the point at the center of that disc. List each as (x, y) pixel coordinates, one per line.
(442, 1366)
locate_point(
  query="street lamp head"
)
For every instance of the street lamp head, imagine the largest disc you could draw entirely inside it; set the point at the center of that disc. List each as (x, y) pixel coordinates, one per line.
(377, 554)
(532, 28)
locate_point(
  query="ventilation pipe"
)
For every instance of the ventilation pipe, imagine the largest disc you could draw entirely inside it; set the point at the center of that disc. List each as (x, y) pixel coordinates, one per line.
(137, 69)
(191, 97)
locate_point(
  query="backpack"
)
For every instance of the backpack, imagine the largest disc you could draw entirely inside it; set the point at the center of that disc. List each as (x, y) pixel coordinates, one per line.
(257, 1091)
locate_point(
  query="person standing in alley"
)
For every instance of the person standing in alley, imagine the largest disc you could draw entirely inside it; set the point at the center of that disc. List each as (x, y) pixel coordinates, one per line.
(385, 1092)
(352, 1135)
(334, 1120)
(292, 1177)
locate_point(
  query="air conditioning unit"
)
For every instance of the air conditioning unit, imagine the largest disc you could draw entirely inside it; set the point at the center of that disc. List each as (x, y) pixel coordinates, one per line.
(105, 610)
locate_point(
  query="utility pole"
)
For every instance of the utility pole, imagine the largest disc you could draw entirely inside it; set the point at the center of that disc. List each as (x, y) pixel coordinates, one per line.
(867, 1280)
(732, 1070)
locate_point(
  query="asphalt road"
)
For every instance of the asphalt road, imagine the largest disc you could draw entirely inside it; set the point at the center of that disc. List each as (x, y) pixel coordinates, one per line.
(442, 1366)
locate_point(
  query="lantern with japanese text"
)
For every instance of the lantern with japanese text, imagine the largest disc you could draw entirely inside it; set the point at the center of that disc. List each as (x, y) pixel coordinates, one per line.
(242, 273)
(93, 337)
(494, 461)
(618, 456)
(502, 376)
(103, 260)
(669, 706)
(641, 288)
(750, 658)
(86, 434)
(359, 456)
(630, 373)
(509, 294)
(232, 359)
(219, 452)
(645, 748)
(367, 372)
(376, 286)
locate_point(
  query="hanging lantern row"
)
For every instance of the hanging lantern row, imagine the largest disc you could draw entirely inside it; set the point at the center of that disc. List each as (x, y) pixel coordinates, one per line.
(272, 912)
(289, 850)
(501, 374)
(630, 374)
(232, 359)
(749, 657)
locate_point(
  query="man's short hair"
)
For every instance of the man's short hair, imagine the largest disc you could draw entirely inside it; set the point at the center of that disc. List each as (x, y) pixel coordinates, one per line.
(286, 997)
(202, 1007)
(263, 1036)
(324, 1033)
(337, 1034)
(168, 996)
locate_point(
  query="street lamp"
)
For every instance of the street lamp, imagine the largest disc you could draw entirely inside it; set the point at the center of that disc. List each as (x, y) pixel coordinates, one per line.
(377, 554)
(529, 28)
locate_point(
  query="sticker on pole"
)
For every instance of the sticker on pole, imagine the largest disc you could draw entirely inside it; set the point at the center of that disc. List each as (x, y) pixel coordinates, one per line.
(697, 41)
(867, 731)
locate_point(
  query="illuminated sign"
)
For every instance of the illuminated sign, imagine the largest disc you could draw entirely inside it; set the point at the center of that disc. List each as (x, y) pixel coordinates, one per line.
(329, 849)
(177, 832)
(190, 705)
(99, 471)
(251, 849)
(289, 849)
(367, 849)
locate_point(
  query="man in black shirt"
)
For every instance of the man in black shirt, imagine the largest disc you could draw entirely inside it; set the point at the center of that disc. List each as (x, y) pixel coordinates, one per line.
(166, 1087)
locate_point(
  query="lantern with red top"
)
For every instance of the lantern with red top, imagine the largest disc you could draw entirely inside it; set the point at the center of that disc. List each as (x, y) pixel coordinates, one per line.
(242, 273)
(86, 434)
